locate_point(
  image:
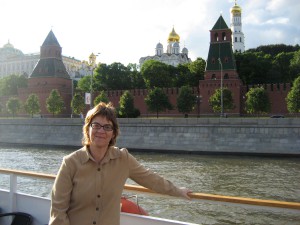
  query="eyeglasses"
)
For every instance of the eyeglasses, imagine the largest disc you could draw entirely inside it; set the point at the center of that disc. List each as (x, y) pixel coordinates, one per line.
(97, 126)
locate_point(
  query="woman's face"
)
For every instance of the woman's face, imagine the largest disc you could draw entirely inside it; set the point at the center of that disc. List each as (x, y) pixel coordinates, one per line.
(100, 136)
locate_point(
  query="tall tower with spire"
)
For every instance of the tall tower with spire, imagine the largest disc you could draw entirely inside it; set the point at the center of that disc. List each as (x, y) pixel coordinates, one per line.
(220, 71)
(238, 39)
(220, 53)
(50, 63)
(50, 73)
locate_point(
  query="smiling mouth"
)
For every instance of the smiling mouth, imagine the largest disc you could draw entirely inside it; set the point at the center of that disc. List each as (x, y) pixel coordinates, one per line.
(100, 137)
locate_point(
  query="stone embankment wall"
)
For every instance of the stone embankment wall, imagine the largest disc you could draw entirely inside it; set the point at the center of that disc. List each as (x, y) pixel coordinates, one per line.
(190, 135)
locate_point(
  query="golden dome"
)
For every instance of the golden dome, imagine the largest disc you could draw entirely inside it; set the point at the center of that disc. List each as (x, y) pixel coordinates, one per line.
(173, 36)
(92, 59)
(236, 8)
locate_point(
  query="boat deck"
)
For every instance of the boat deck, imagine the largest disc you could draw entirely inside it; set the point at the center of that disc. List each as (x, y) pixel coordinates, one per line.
(39, 207)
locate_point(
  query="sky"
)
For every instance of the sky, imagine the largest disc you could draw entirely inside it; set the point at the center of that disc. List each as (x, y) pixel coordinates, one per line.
(126, 30)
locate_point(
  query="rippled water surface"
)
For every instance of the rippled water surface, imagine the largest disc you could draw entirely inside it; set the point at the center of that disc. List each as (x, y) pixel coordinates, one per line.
(255, 177)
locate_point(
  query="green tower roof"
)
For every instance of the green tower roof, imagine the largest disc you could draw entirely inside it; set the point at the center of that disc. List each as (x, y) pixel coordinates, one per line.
(220, 24)
(51, 39)
(50, 64)
(50, 68)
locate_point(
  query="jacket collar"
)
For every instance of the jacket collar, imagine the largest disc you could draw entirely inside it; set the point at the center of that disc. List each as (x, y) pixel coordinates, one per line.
(112, 153)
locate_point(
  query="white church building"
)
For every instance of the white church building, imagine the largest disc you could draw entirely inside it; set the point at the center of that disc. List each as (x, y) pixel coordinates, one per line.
(172, 56)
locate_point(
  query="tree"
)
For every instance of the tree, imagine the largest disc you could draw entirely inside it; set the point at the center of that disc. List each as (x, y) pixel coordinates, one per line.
(156, 74)
(280, 71)
(181, 76)
(78, 104)
(102, 97)
(84, 84)
(269, 64)
(293, 97)
(157, 101)
(215, 100)
(13, 105)
(186, 100)
(54, 102)
(32, 104)
(197, 69)
(126, 108)
(257, 101)
(136, 77)
(9, 85)
(295, 66)
(274, 50)
(113, 77)
(254, 67)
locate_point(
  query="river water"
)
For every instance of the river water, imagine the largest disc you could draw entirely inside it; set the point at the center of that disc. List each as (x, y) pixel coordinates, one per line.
(244, 176)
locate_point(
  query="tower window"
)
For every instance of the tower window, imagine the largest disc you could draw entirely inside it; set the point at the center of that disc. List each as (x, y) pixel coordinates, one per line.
(216, 37)
(213, 61)
(224, 36)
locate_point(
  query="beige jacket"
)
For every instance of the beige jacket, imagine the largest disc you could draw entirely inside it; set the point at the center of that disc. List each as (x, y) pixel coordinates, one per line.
(87, 193)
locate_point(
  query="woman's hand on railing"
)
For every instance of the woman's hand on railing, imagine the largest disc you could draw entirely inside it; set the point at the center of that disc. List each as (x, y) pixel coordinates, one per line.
(185, 193)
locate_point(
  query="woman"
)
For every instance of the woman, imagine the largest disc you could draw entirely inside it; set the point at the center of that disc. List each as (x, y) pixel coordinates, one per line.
(90, 181)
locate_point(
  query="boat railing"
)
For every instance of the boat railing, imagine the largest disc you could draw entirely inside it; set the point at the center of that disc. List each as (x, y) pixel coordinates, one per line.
(213, 198)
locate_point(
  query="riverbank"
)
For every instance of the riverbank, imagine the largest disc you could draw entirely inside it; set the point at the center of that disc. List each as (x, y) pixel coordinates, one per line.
(268, 136)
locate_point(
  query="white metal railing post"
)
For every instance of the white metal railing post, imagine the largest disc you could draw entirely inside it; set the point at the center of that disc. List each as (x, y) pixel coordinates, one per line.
(12, 193)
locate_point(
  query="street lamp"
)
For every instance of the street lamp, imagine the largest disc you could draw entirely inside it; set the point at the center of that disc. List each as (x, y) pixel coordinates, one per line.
(72, 96)
(198, 99)
(92, 64)
(222, 105)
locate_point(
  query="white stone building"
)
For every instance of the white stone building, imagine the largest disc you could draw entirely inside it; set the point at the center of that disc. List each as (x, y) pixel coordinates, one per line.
(238, 39)
(172, 56)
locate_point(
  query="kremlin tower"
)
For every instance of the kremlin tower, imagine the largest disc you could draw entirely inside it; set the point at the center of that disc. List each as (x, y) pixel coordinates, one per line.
(49, 73)
(238, 39)
(220, 71)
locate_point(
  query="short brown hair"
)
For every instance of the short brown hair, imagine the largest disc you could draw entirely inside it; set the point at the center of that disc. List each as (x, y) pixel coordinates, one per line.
(106, 110)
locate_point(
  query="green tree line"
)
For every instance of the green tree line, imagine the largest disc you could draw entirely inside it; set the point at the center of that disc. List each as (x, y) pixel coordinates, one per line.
(269, 64)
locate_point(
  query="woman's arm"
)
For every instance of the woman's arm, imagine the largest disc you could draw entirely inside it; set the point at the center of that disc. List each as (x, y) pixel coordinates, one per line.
(153, 181)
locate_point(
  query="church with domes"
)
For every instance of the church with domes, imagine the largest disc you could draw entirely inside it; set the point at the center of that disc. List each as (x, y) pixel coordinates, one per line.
(172, 56)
